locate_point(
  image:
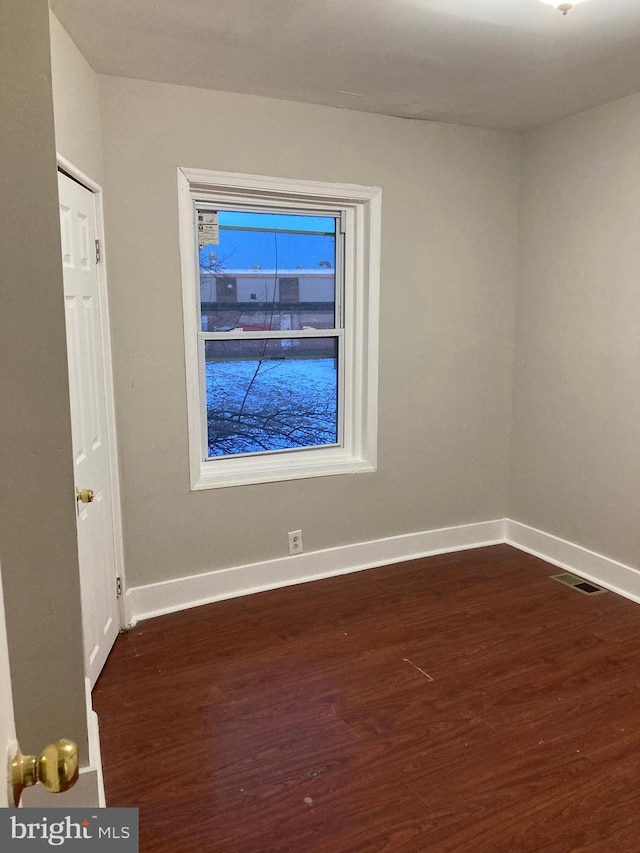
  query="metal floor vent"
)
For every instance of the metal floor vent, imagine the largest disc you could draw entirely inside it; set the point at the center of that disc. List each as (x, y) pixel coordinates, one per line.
(580, 584)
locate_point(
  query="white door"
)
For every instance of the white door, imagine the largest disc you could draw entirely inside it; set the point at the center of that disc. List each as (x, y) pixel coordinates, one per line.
(91, 456)
(7, 726)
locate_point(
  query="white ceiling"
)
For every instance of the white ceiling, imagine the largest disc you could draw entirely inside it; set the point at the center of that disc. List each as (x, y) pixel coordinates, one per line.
(513, 64)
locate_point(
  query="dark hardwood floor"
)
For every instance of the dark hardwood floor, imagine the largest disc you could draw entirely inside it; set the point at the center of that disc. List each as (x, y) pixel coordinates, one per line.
(457, 703)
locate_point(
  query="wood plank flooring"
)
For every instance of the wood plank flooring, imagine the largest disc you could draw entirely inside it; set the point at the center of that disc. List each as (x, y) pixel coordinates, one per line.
(457, 703)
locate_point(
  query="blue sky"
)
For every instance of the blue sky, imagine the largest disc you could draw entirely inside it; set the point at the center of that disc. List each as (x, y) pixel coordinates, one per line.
(240, 249)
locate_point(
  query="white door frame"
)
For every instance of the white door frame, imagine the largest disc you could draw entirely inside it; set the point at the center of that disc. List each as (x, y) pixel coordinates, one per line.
(114, 476)
(7, 722)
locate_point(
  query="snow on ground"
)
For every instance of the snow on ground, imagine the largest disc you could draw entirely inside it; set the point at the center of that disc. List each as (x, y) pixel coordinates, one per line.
(257, 406)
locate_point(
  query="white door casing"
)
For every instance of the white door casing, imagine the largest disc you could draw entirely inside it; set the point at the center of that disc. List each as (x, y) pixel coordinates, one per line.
(7, 725)
(92, 457)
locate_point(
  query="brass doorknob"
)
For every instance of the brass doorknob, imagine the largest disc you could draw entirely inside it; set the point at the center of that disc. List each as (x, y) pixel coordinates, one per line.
(85, 496)
(56, 768)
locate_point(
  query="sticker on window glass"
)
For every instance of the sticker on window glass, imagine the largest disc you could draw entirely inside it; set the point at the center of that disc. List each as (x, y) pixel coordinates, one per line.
(208, 234)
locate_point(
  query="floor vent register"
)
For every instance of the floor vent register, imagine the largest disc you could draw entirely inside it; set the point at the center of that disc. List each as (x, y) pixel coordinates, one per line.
(583, 586)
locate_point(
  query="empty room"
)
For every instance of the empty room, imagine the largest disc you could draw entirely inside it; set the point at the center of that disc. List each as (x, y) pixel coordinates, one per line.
(321, 421)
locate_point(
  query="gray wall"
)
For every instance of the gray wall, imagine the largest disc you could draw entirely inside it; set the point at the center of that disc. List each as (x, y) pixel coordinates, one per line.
(449, 264)
(38, 549)
(576, 434)
(76, 105)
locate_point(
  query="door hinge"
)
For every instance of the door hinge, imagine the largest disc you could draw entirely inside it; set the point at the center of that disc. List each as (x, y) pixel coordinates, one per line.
(98, 251)
(118, 587)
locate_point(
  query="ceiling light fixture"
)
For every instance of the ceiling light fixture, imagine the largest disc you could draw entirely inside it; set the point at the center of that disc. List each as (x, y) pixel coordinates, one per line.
(561, 7)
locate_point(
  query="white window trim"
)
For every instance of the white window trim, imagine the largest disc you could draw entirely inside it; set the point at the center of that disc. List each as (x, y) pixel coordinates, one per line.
(361, 207)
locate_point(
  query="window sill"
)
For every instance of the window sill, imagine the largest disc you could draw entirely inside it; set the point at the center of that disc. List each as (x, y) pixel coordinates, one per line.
(221, 473)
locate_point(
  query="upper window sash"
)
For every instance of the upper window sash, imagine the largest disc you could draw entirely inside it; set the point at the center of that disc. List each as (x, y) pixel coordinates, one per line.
(338, 268)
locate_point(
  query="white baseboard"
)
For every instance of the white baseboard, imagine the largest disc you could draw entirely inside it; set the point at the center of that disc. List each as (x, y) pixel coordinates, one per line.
(95, 752)
(601, 570)
(143, 602)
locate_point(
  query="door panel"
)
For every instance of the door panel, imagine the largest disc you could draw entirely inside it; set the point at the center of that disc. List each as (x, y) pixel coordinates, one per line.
(91, 455)
(289, 290)
(227, 290)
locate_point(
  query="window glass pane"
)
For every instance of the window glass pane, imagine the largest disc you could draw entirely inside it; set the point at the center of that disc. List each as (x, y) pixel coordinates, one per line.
(276, 221)
(267, 271)
(267, 395)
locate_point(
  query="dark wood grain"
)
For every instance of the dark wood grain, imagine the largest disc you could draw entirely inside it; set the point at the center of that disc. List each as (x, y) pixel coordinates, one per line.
(456, 703)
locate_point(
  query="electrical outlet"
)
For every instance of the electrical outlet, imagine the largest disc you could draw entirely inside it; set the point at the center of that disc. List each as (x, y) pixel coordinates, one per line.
(295, 542)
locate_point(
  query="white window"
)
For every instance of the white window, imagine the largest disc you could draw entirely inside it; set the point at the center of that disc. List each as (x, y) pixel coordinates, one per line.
(280, 293)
